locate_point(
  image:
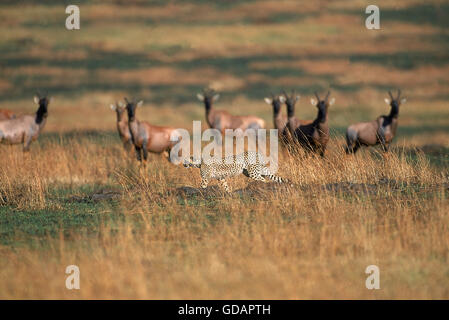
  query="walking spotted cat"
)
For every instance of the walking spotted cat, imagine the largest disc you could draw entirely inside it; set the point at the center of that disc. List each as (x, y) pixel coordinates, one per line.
(249, 163)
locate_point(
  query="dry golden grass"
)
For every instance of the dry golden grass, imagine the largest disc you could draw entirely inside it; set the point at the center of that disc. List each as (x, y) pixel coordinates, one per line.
(303, 243)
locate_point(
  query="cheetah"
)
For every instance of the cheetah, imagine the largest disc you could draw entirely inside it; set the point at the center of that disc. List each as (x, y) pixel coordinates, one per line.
(249, 163)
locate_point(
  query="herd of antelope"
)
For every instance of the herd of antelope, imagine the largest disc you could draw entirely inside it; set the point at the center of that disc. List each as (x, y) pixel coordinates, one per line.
(311, 135)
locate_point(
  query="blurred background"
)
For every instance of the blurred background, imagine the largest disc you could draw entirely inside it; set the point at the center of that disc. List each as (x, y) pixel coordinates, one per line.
(164, 52)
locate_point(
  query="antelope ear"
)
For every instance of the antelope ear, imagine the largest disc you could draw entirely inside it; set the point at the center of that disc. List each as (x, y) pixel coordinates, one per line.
(387, 101)
(121, 104)
(139, 104)
(268, 100)
(313, 102)
(36, 99)
(215, 97)
(332, 101)
(282, 99)
(113, 107)
(297, 97)
(200, 96)
(403, 100)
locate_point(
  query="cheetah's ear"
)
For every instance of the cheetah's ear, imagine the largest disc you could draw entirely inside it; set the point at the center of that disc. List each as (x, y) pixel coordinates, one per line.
(186, 163)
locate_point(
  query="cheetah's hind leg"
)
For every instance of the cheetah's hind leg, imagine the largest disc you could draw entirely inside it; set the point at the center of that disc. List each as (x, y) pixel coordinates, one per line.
(255, 173)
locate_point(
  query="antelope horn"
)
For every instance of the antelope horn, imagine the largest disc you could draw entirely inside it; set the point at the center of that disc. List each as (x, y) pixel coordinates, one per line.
(126, 99)
(391, 96)
(317, 96)
(208, 91)
(327, 96)
(284, 93)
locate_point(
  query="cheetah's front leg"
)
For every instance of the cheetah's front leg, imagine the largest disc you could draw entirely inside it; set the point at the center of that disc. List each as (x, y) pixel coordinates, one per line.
(204, 183)
(225, 185)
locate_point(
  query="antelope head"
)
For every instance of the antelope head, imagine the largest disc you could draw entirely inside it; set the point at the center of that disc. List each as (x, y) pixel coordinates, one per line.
(322, 104)
(276, 102)
(394, 103)
(131, 108)
(290, 100)
(208, 96)
(119, 108)
(42, 101)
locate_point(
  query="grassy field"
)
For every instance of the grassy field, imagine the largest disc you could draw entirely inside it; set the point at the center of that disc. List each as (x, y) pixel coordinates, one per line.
(76, 199)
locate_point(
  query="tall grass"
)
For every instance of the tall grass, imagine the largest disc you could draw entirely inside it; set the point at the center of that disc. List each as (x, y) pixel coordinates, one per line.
(300, 242)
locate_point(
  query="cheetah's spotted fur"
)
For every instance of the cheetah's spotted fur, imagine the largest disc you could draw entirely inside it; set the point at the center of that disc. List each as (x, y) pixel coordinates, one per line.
(249, 163)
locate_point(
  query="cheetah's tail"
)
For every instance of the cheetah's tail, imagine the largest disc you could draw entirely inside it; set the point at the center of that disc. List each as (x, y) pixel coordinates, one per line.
(279, 179)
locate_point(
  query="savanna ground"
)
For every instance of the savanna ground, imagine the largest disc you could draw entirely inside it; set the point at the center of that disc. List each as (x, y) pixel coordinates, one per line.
(75, 199)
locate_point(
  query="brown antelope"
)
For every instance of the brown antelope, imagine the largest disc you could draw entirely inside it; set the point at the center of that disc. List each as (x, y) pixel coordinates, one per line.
(380, 131)
(122, 125)
(146, 137)
(290, 101)
(26, 128)
(222, 120)
(311, 135)
(279, 120)
(6, 114)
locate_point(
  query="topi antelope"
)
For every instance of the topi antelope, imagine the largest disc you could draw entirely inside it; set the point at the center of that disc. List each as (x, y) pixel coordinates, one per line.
(122, 125)
(6, 114)
(311, 135)
(379, 131)
(26, 128)
(279, 120)
(146, 137)
(222, 120)
(290, 101)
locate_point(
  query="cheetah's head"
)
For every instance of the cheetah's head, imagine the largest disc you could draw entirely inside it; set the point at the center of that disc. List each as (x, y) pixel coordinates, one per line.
(191, 162)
